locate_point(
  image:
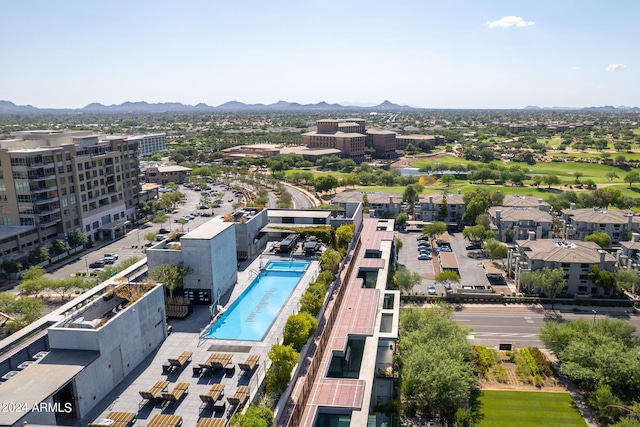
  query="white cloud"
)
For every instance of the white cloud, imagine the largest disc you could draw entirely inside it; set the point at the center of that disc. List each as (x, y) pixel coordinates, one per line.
(616, 67)
(509, 21)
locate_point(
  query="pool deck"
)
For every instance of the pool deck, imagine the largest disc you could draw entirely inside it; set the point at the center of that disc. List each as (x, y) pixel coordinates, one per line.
(185, 337)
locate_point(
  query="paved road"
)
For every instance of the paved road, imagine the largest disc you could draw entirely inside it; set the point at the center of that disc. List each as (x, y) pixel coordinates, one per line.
(132, 245)
(519, 325)
(300, 200)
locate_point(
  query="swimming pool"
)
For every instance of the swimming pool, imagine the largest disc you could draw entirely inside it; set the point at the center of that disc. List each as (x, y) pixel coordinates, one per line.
(252, 313)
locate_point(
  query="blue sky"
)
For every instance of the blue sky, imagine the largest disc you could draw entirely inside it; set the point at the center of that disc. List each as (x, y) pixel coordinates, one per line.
(432, 54)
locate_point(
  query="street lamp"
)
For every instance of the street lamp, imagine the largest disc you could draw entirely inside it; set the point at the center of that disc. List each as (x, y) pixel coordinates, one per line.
(594, 315)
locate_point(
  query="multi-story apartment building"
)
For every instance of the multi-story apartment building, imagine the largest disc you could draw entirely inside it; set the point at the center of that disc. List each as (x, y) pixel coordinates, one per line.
(573, 256)
(448, 208)
(150, 144)
(618, 224)
(60, 181)
(517, 201)
(345, 135)
(521, 220)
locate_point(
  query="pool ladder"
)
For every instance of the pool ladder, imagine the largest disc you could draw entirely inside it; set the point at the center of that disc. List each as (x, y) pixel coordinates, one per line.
(253, 272)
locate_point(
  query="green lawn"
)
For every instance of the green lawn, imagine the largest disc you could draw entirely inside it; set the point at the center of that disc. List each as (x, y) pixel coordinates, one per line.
(524, 409)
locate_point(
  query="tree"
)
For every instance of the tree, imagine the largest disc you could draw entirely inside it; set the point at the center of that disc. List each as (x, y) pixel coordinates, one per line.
(311, 302)
(171, 276)
(603, 278)
(283, 358)
(484, 220)
(447, 277)
(330, 260)
(151, 237)
(254, 416)
(59, 246)
(406, 279)
(77, 238)
(477, 233)
(410, 194)
(601, 238)
(444, 208)
(496, 249)
(434, 229)
(551, 180)
(447, 179)
(344, 234)
(628, 280)
(298, 329)
(632, 177)
(11, 266)
(160, 219)
(182, 222)
(437, 371)
(34, 272)
(401, 220)
(612, 175)
(38, 255)
(551, 281)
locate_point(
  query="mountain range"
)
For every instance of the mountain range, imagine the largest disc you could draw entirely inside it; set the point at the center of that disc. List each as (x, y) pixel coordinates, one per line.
(8, 107)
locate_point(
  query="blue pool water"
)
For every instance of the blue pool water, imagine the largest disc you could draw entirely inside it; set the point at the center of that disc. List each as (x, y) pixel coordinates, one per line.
(252, 313)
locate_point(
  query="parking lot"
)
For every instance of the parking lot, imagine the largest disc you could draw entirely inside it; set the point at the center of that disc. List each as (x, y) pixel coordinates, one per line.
(471, 270)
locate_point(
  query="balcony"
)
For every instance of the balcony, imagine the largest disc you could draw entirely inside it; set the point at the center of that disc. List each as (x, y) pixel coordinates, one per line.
(42, 188)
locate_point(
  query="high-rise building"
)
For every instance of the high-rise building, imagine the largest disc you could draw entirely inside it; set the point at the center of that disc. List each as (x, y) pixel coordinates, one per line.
(62, 181)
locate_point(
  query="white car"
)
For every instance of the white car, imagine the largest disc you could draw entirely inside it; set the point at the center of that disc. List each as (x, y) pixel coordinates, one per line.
(431, 290)
(110, 255)
(108, 259)
(424, 256)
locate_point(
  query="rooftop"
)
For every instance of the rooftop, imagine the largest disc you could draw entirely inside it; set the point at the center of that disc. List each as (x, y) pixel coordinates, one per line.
(208, 230)
(564, 251)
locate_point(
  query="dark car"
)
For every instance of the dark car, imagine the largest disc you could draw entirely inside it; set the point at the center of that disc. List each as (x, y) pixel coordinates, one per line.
(163, 231)
(97, 264)
(473, 245)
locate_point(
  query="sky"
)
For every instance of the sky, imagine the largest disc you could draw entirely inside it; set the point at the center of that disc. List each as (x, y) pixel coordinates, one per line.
(422, 53)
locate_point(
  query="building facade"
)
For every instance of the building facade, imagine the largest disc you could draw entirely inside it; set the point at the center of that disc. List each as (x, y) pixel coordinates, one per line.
(618, 224)
(521, 222)
(63, 181)
(150, 144)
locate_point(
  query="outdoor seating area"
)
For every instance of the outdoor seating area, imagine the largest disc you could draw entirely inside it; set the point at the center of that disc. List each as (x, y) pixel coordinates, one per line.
(165, 420)
(154, 392)
(174, 395)
(214, 396)
(240, 397)
(116, 419)
(250, 364)
(181, 360)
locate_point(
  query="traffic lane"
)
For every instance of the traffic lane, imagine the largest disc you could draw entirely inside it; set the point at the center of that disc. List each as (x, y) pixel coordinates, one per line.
(492, 327)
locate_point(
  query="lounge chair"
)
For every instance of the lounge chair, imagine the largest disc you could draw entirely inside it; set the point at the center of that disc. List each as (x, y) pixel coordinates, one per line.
(174, 395)
(165, 420)
(217, 361)
(116, 419)
(212, 422)
(240, 397)
(184, 357)
(154, 392)
(249, 364)
(213, 396)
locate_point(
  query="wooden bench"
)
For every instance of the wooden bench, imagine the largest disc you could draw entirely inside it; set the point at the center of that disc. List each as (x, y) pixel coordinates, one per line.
(174, 395)
(213, 396)
(212, 422)
(240, 397)
(154, 392)
(184, 357)
(249, 364)
(165, 420)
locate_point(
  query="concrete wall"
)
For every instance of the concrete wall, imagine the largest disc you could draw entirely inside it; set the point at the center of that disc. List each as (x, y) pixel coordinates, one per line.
(213, 261)
(123, 342)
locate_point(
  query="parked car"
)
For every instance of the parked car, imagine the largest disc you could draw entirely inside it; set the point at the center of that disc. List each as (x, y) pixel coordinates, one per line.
(424, 244)
(423, 237)
(217, 205)
(98, 270)
(163, 231)
(108, 255)
(473, 245)
(424, 256)
(97, 264)
(431, 290)
(206, 214)
(443, 249)
(108, 260)
(229, 200)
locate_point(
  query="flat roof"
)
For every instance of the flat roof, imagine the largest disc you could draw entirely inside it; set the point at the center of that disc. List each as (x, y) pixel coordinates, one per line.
(174, 168)
(278, 213)
(14, 230)
(208, 230)
(37, 382)
(448, 260)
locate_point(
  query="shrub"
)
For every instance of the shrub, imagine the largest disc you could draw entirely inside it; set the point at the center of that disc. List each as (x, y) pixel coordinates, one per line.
(298, 329)
(311, 303)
